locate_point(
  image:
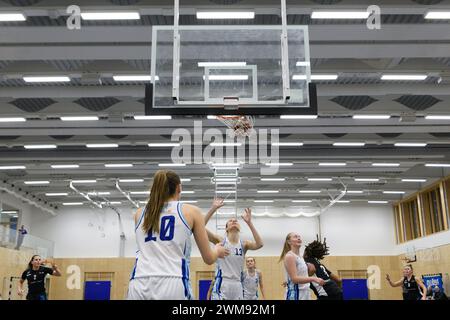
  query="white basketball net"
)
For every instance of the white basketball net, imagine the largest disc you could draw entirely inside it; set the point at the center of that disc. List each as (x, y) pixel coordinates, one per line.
(241, 126)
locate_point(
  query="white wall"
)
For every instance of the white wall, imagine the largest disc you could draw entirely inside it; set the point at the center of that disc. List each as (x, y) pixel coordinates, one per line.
(431, 241)
(350, 230)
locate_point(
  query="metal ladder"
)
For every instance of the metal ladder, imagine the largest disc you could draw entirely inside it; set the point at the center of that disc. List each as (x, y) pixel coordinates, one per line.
(226, 180)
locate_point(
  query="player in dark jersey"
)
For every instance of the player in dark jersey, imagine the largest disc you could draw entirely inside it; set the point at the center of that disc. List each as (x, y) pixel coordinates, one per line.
(314, 253)
(413, 288)
(35, 276)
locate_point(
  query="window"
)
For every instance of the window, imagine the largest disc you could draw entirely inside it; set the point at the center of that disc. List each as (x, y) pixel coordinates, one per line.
(398, 225)
(433, 211)
(411, 219)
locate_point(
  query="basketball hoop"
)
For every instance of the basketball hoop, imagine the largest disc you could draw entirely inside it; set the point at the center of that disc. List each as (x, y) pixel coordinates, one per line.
(241, 126)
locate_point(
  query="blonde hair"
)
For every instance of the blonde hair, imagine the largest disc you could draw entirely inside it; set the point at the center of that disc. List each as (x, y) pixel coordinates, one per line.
(286, 247)
(164, 186)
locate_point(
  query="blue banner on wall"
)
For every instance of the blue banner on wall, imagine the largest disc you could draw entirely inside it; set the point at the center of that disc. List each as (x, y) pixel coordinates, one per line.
(432, 280)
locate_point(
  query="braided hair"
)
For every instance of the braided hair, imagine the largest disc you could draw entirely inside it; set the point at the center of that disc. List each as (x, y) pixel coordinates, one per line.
(317, 249)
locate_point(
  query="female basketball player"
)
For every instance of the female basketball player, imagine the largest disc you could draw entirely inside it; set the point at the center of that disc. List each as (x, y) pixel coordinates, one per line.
(228, 279)
(35, 276)
(297, 276)
(410, 285)
(163, 235)
(251, 280)
(314, 253)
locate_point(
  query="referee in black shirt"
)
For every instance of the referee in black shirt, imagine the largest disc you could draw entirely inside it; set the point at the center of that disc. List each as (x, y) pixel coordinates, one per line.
(35, 276)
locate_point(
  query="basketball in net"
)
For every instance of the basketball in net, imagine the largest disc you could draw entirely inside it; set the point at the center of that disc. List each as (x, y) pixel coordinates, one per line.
(241, 126)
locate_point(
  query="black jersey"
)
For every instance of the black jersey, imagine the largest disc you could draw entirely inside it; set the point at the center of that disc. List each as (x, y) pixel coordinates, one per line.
(411, 289)
(35, 279)
(330, 287)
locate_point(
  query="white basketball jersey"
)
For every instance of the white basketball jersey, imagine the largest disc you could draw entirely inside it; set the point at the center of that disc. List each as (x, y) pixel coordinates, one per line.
(232, 266)
(302, 271)
(168, 253)
(250, 284)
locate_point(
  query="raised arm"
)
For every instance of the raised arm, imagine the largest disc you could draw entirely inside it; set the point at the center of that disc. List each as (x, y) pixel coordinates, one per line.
(248, 244)
(394, 284)
(289, 262)
(216, 205)
(208, 254)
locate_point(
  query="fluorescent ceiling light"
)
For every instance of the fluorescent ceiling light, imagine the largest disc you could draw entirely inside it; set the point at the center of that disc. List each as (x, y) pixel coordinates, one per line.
(118, 165)
(102, 145)
(404, 144)
(85, 118)
(225, 191)
(152, 117)
(72, 203)
(169, 144)
(393, 192)
(111, 15)
(84, 181)
(111, 202)
(371, 117)
(187, 192)
(414, 180)
(65, 166)
(139, 192)
(320, 179)
(332, 164)
(8, 17)
(40, 146)
(226, 77)
(35, 79)
(349, 144)
(340, 15)
(367, 179)
(36, 182)
(438, 15)
(211, 117)
(172, 164)
(438, 165)
(12, 167)
(222, 64)
(279, 164)
(226, 165)
(9, 211)
(189, 201)
(343, 201)
(185, 180)
(317, 77)
(302, 64)
(399, 77)
(263, 201)
(225, 144)
(385, 164)
(355, 191)
(287, 144)
(301, 201)
(310, 191)
(56, 194)
(131, 180)
(298, 117)
(435, 117)
(273, 179)
(105, 193)
(120, 78)
(268, 191)
(225, 15)
(225, 179)
(377, 202)
(13, 119)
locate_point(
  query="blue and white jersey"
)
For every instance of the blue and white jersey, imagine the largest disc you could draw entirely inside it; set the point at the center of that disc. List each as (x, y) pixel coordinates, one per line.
(293, 289)
(168, 253)
(250, 284)
(232, 266)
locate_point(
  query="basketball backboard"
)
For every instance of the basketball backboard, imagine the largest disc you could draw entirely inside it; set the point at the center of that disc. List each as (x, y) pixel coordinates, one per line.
(230, 69)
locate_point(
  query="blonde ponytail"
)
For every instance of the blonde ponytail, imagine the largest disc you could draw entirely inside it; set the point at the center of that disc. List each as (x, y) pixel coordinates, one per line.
(164, 186)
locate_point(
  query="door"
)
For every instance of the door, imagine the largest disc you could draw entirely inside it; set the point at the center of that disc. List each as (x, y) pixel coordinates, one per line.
(97, 290)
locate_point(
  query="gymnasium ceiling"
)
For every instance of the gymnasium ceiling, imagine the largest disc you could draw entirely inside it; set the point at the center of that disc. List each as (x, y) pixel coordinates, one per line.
(42, 45)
